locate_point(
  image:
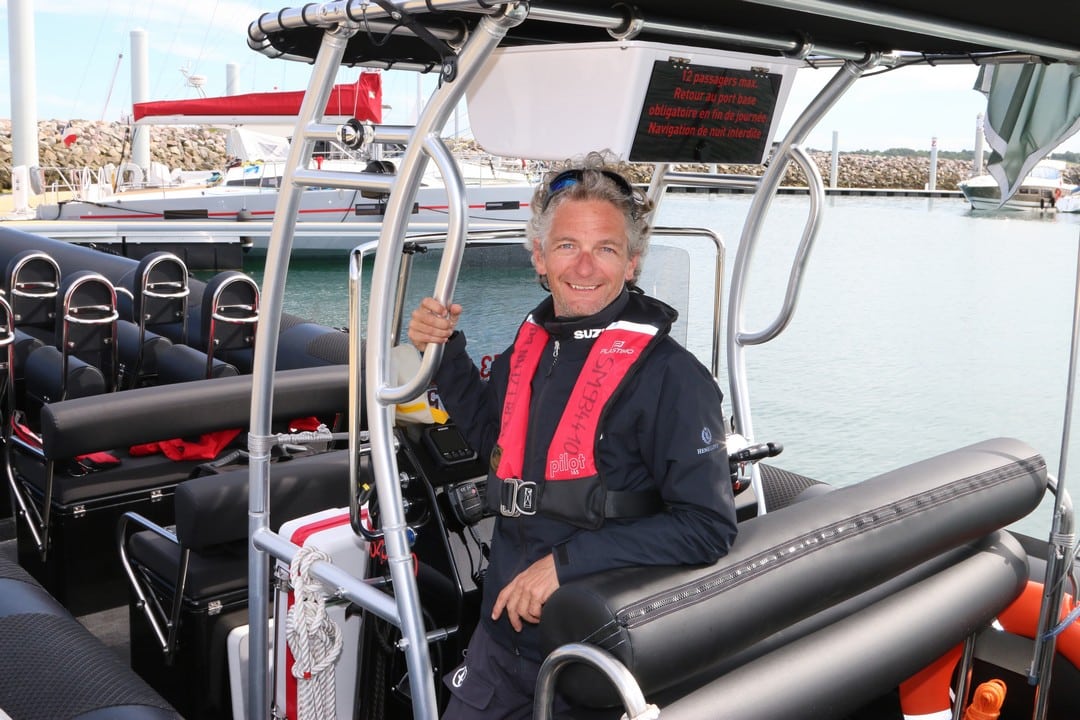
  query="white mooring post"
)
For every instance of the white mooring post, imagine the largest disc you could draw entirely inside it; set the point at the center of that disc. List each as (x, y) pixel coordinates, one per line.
(933, 165)
(140, 92)
(979, 139)
(834, 167)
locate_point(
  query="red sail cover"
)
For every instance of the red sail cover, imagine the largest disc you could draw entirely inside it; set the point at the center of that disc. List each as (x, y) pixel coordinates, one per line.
(361, 100)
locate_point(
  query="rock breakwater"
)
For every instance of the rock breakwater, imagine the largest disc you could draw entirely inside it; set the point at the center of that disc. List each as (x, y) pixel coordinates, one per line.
(201, 148)
(98, 144)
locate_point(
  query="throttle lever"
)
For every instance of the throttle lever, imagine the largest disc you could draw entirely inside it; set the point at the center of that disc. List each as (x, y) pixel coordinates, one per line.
(741, 456)
(757, 451)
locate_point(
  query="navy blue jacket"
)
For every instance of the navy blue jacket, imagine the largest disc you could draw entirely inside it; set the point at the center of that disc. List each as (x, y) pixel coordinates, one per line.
(664, 430)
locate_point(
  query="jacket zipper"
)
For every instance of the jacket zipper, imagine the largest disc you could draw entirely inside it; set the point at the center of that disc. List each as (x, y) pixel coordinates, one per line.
(554, 358)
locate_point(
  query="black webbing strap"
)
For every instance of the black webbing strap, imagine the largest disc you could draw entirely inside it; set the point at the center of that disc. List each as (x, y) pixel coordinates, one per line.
(632, 503)
(447, 56)
(519, 497)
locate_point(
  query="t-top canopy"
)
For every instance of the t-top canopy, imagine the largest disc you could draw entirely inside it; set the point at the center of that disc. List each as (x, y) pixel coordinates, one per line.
(789, 26)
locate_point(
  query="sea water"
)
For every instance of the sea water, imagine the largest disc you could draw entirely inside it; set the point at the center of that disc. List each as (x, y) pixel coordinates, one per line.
(921, 326)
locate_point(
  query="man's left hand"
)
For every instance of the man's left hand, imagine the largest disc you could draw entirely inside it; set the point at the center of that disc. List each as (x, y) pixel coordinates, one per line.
(523, 598)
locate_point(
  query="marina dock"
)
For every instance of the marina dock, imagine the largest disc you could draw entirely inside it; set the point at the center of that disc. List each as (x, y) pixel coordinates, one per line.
(836, 192)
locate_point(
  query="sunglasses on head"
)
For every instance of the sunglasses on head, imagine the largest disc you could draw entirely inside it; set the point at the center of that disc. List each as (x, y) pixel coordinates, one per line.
(569, 178)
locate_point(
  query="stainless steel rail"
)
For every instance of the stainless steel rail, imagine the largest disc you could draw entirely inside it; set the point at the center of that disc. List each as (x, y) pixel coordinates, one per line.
(692, 33)
(165, 625)
(445, 281)
(1062, 541)
(380, 339)
(260, 441)
(802, 253)
(35, 522)
(627, 687)
(352, 13)
(737, 338)
(403, 607)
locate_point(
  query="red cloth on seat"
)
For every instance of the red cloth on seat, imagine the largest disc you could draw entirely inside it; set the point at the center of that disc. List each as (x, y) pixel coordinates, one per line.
(97, 460)
(308, 424)
(206, 447)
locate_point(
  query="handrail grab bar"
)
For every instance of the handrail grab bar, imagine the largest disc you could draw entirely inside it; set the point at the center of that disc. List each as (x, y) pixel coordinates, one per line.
(163, 625)
(449, 267)
(742, 421)
(338, 582)
(802, 254)
(629, 690)
(286, 212)
(380, 397)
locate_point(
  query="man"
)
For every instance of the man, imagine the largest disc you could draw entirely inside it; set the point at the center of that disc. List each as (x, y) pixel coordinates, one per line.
(606, 437)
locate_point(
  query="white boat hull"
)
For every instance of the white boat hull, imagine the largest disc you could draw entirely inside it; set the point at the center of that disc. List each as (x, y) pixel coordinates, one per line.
(496, 203)
(1069, 203)
(1041, 190)
(1028, 197)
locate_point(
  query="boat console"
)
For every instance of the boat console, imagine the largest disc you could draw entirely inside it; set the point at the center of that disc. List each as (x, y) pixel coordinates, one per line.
(189, 580)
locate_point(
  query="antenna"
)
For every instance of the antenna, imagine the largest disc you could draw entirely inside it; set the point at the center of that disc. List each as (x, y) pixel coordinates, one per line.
(195, 81)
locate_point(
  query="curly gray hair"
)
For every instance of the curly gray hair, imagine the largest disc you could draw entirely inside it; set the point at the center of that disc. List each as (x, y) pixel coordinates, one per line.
(599, 176)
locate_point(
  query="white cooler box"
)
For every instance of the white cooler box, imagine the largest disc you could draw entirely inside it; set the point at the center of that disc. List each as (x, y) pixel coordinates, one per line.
(331, 532)
(236, 645)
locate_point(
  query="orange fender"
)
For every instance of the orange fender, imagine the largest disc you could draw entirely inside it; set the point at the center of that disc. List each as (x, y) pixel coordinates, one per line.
(1022, 618)
(927, 694)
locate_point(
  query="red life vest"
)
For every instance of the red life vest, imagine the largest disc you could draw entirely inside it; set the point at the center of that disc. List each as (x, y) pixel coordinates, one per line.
(572, 488)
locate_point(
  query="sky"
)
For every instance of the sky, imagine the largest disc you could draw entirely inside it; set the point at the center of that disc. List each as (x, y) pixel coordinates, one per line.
(82, 66)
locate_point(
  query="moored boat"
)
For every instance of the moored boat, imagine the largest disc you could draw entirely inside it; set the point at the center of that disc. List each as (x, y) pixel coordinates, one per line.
(247, 190)
(1069, 203)
(1042, 189)
(248, 193)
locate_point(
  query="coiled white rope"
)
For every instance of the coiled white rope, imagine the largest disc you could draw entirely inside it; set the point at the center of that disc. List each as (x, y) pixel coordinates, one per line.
(314, 639)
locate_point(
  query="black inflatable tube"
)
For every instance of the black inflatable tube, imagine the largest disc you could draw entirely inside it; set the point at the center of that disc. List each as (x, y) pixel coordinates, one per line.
(40, 639)
(69, 256)
(847, 664)
(72, 257)
(813, 623)
(667, 623)
(73, 427)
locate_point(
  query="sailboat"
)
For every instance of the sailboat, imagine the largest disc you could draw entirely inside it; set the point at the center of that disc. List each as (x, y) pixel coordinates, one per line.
(246, 189)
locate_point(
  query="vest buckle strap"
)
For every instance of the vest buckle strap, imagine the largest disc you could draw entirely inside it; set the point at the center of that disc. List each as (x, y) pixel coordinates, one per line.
(517, 497)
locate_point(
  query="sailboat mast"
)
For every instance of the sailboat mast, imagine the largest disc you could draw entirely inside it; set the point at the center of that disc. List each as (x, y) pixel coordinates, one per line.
(112, 84)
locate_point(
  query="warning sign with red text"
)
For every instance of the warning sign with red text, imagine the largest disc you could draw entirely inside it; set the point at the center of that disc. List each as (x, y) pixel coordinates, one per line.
(702, 114)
